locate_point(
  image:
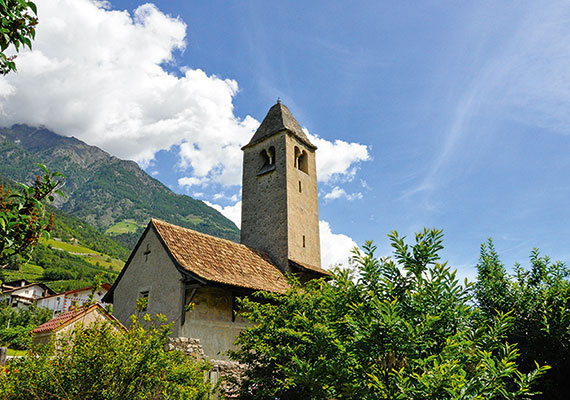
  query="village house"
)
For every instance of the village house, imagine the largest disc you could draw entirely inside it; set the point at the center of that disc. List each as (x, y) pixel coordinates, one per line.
(172, 267)
(68, 321)
(62, 302)
(21, 293)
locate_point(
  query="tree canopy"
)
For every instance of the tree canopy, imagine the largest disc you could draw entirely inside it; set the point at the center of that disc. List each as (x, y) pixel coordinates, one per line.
(401, 328)
(17, 28)
(22, 214)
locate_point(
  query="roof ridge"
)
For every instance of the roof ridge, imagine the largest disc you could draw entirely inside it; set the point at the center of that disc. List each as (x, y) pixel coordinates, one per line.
(197, 232)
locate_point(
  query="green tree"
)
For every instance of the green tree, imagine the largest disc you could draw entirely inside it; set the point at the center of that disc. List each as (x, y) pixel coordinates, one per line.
(96, 362)
(16, 324)
(17, 28)
(402, 328)
(538, 299)
(22, 215)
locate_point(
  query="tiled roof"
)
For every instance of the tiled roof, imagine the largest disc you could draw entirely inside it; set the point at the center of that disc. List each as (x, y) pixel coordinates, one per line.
(59, 320)
(42, 285)
(220, 260)
(104, 286)
(66, 317)
(278, 119)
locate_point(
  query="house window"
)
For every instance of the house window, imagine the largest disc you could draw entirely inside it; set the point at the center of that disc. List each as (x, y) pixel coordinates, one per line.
(142, 301)
(301, 161)
(267, 157)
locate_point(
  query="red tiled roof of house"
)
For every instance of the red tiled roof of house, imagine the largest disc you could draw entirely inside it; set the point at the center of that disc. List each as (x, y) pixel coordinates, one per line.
(220, 260)
(66, 317)
(59, 320)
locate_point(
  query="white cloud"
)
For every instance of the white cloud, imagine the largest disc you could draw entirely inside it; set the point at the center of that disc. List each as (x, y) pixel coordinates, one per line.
(190, 181)
(337, 159)
(99, 75)
(232, 212)
(335, 247)
(338, 193)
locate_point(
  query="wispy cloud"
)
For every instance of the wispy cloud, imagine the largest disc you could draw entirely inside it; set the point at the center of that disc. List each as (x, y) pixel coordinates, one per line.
(519, 74)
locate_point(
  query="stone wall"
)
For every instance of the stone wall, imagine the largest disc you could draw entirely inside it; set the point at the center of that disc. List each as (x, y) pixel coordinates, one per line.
(264, 200)
(226, 374)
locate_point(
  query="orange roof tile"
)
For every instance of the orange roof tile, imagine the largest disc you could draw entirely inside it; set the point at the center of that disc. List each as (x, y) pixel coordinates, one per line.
(220, 260)
(56, 322)
(64, 318)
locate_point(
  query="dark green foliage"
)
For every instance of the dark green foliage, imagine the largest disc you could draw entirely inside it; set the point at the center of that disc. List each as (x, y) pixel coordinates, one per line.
(128, 240)
(57, 274)
(401, 329)
(98, 363)
(538, 299)
(17, 28)
(16, 324)
(103, 190)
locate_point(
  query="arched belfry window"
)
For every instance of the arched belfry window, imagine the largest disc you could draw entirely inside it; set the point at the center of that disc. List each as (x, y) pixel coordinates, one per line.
(301, 160)
(267, 157)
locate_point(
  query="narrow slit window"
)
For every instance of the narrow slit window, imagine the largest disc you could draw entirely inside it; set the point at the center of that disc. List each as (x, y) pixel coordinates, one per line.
(300, 189)
(301, 161)
(303, 241)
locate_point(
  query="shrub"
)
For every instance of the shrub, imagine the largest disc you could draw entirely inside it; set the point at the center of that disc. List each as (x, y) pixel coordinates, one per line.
(402, 329)
(97, 362)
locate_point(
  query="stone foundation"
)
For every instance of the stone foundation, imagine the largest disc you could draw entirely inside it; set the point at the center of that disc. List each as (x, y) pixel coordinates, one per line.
(226, 374)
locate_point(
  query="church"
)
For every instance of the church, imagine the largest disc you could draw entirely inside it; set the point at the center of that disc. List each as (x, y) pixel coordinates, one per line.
(172, 267)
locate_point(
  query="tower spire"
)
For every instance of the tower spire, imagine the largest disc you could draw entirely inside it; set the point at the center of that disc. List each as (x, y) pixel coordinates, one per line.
(280, 214)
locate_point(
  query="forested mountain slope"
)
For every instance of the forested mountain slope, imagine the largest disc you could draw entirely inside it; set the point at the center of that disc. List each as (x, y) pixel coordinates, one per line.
(113, 195)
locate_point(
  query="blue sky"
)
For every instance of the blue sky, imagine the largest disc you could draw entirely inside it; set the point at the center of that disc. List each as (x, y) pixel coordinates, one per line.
(441, 114)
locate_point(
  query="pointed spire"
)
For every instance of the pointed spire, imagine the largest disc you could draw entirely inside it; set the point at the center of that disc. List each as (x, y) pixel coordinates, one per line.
(278, 119)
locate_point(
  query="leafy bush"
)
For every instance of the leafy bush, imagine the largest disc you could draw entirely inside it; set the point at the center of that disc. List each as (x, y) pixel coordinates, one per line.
(402, 329)
(56, 274)
(538, 300)
(97, 362)
(16, 324)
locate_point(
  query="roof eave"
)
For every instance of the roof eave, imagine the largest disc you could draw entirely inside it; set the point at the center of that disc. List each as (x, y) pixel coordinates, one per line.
(289, 132)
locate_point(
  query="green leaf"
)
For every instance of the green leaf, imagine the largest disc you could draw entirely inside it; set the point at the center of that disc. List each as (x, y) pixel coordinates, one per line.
(32, 7)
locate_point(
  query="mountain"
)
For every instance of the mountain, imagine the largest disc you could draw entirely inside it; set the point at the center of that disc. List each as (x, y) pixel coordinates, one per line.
(113, 195)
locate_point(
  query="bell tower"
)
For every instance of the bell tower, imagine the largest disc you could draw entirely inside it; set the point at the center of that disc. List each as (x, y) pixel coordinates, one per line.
(280, 214)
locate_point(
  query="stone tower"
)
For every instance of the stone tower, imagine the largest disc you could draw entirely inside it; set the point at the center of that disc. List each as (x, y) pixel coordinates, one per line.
(280, 214)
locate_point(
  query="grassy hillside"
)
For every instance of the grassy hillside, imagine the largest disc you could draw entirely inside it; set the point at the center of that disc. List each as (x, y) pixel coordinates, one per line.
(72, 258)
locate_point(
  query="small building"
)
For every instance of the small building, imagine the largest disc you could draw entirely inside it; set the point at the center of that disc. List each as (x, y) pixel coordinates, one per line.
(172, 266)
(21, 293)
(68, 321)
(62, 302)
